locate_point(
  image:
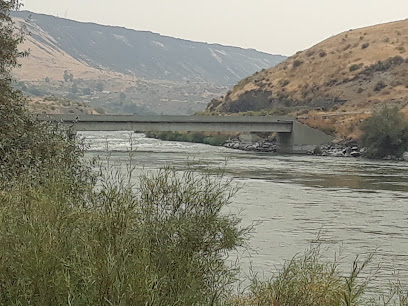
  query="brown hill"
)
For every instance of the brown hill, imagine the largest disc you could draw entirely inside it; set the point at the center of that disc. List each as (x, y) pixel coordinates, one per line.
(123, 70)
(353, 72)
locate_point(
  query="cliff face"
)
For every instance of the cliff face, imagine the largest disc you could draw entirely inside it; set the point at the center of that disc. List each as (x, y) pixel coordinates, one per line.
(354, 71)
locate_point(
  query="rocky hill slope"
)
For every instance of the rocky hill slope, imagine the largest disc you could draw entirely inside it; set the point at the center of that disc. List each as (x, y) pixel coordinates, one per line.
(118, 70)
(343, 77)
(353, 70)
(143, 54)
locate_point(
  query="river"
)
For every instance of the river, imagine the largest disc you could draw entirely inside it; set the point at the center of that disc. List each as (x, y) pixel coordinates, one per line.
(358, 206)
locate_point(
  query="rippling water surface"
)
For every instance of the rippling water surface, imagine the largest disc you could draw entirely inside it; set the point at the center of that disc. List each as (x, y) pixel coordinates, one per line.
(358, 206)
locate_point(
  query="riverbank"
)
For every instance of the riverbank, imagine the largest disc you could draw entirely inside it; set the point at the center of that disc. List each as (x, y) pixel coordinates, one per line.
(254, 143)
(213, 139)
(334, 149)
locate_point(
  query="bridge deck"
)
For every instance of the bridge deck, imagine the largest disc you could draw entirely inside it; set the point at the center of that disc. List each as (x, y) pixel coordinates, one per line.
(172, 123)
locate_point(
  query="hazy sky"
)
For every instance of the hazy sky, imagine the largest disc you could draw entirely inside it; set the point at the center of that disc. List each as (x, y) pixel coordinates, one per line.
(279, 27)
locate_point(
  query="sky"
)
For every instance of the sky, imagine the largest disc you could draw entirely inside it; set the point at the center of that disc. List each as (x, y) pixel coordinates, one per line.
(277, 27)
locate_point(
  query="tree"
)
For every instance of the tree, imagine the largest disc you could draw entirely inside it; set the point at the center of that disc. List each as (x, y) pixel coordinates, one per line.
(99, 86)
(122, 96)
(11, 101)
(68, 77)
(86, 91)
(27, 148)
(385, 133)
(74, 88)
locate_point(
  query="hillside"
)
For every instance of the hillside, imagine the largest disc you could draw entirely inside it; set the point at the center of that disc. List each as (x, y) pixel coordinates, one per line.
(143, 54)
(118, 70)
(353, 72)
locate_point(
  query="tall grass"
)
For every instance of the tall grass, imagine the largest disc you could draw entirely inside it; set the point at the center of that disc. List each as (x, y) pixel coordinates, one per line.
(309, 280)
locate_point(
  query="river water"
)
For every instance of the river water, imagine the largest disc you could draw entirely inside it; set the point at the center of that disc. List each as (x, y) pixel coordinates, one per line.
(355, 206)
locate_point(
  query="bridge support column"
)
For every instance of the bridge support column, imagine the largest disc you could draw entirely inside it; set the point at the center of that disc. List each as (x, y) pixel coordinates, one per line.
(302, 139)
(285, 142)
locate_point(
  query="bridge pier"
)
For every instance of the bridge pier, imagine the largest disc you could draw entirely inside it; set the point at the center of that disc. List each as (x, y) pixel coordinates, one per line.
(302, 139)
(285, 142)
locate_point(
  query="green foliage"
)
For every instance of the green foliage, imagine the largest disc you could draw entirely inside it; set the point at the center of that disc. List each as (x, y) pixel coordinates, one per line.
(68, 77)
(164, 244)
(195, 137)
(69, 240)
(355, 67)
(27, 147)
(277, 111)
(309, 280)
(385, 133)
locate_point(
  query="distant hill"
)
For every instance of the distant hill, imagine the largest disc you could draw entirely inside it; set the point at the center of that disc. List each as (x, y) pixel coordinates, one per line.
(118, 70)
(355, 69)
(353, 72)
(144, 54)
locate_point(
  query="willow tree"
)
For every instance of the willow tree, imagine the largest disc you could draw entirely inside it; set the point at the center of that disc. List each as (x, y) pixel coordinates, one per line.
(10, 38)
(27, 148)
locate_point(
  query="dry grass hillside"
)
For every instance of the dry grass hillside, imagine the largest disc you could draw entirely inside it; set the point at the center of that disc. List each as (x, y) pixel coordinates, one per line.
(345, 76)
(48, 60)
(121, 70)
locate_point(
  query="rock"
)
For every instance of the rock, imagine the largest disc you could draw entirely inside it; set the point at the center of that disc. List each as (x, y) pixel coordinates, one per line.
(355, 154)
(338, 154)
(405, 156)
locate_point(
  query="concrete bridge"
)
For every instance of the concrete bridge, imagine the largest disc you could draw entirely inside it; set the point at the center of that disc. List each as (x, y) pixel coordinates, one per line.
(293, 137)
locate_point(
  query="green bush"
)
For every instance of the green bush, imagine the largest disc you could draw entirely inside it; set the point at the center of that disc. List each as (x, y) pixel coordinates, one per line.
(165, 244)
(195, 137)
(309, 280)
(385, 133)
(355, 67)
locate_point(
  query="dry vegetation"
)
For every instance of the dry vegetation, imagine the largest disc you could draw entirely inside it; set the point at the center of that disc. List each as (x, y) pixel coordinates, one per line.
(352, 73)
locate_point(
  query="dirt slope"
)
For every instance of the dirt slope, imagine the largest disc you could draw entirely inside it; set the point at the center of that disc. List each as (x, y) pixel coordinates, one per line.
(354, 71)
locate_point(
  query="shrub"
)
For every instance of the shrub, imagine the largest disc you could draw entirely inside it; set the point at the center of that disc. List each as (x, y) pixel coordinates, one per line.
(67, 240)
(166, 244)
(355, 67)
(284, 82)
(297, 63)
(401, 49)
(322, 53)
(365, 45)
(348, 46)
(379, 86)
(385, 133)
(310, 53)
(195, 137)
(308, 280)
